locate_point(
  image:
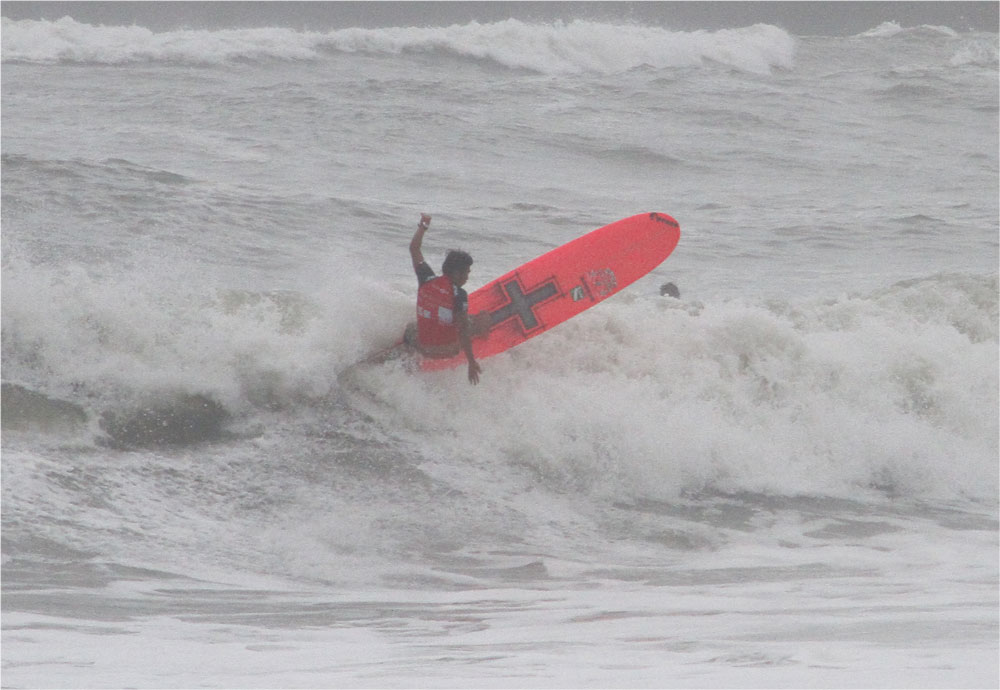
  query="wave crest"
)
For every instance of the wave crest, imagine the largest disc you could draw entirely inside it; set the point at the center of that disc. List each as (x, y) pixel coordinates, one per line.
(894, 29)
(548, 48)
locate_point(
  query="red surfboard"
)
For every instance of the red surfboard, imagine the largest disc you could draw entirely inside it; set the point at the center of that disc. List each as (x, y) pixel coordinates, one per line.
(570, 279)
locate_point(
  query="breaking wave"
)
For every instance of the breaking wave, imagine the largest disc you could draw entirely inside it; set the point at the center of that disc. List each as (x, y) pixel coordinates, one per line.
(553, 48)
(893, 391)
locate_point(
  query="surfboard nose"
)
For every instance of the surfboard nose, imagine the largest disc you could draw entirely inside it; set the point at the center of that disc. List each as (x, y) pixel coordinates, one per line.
(665, 219)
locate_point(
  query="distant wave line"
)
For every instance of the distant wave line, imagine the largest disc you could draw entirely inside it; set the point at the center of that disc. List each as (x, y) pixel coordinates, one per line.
(552, 48)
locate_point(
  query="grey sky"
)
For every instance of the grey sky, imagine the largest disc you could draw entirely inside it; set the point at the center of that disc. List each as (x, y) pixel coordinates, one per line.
(801, 18)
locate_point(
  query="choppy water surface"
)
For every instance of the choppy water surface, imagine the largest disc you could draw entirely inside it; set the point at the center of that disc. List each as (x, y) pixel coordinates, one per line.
(786, 477)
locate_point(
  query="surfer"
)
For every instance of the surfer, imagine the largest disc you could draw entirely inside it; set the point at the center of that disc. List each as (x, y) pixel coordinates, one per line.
(444, 327)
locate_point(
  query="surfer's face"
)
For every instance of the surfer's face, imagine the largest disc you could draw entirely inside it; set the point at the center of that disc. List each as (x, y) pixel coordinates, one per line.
(460, 277)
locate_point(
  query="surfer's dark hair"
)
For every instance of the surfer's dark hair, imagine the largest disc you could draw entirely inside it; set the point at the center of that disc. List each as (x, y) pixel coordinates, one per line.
(456, 261)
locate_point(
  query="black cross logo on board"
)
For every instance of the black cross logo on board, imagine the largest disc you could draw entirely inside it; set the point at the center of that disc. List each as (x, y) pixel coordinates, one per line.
(522, 305)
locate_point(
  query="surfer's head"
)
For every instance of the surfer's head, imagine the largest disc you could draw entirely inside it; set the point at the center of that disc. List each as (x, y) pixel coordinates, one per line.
(456, 266)
(669, 289)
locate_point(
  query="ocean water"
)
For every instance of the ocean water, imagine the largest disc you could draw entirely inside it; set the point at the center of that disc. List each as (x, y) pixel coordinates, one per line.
(787, 477)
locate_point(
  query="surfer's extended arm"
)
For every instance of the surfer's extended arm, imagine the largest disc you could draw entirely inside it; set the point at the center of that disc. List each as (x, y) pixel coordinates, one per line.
(418, 239)
(465, 340)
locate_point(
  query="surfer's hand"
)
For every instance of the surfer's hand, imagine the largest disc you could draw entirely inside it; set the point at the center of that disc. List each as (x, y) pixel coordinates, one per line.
(474, 371)
(425, 221)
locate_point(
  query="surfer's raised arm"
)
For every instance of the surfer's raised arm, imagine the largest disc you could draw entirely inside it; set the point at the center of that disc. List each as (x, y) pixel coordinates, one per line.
(418, 239)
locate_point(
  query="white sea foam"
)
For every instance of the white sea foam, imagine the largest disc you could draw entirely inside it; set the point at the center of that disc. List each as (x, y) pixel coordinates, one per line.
(142, 333)
(892, 391)
(981, 53)
(894, 29)
(556, 48)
